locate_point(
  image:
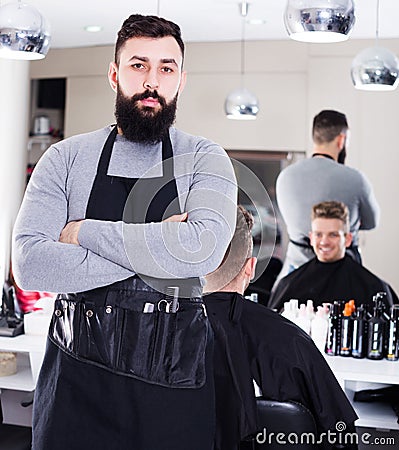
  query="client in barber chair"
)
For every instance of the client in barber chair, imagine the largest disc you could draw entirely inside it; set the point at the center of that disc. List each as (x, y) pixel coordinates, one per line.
(253, 342)
(331, 274)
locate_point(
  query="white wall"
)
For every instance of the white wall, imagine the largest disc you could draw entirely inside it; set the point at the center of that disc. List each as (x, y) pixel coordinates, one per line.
(14, 111)
(293, 82)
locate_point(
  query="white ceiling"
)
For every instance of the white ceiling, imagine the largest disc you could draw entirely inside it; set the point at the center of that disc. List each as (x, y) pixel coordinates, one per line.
(200, 20)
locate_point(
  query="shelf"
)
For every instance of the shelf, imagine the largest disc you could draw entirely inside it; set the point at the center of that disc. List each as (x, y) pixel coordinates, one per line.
(357, 374)
(30, 352)
(374, 414)
(367, 370)
(23, 343)
(23, 379)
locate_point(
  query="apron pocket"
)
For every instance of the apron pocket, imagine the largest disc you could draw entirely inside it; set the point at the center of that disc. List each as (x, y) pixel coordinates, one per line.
(64, 327)
(137, 341)
(99, 334)
(187, 368)
(165, 348)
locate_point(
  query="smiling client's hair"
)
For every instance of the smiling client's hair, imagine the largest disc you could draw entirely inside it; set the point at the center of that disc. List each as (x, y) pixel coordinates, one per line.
(331, 210)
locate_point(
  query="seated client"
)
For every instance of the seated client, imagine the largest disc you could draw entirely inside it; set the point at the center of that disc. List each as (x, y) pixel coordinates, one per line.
(253, 342)
(330, 275)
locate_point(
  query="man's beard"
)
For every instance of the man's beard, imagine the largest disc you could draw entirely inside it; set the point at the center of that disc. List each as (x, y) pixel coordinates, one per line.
(144, 124)
(342, 155)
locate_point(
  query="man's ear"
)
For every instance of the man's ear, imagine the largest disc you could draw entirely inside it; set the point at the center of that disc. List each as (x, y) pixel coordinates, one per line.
(341, 140)
(348, 239)
(113, 76)
(250, 267)
(183, 81)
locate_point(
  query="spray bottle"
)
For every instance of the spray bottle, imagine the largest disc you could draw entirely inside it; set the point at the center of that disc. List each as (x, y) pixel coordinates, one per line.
(393, 335)
(302, 320)
(319, 328)
(334, 330)
(376, 329)
(359, 335)
(346, 331)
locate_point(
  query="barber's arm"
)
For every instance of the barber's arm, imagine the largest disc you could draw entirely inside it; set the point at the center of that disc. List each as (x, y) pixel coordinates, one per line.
(368, 207)
(40, 261)
(176, 249)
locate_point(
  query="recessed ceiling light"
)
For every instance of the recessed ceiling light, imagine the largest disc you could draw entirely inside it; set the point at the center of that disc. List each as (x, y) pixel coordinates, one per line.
(256, 22)
(93, 28)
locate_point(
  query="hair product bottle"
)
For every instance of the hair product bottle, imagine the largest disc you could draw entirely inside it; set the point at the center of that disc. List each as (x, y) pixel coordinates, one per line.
(319, 328)
(393, 335)
(302, 319)
(346, 331)
(334, 330)
(376, 331)
(359, 335)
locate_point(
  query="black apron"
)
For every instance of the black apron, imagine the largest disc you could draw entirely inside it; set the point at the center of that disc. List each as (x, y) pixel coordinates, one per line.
(117, 375)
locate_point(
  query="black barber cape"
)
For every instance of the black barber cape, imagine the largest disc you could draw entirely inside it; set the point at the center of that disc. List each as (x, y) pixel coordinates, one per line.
(325, 282)
(254, 342)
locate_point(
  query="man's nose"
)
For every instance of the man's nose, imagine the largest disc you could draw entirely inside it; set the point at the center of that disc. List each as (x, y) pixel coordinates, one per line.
(151, 81)
(324, 239)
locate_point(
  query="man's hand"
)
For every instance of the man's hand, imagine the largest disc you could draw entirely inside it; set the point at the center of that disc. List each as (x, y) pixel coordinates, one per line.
(69, 235)
(177, 218)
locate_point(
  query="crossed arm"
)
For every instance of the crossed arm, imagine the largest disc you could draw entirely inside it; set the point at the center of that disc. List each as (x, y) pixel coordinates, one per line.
(53, 253)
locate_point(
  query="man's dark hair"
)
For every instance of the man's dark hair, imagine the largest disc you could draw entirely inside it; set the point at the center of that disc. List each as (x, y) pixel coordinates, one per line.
(137, 26)
(327, 125)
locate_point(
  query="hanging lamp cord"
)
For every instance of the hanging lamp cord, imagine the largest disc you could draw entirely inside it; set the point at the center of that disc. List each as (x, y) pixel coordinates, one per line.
(243, 12)
(377, 23)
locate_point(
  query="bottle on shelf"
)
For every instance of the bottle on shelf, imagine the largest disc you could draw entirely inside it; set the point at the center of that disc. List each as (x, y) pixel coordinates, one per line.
(302, 319)
(393, 335)
(310, 309)
(334, 330)
(359, 335)
(319, 328)
(376, 330)
(346, 331)
(290, 310)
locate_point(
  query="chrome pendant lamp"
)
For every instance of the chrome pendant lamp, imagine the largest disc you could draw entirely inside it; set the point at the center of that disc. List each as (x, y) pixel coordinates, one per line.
(320, 21)
(241, 104)
(375, 68)
(24, 33)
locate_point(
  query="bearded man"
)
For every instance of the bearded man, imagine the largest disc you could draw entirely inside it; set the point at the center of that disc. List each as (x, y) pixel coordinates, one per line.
(128, 362)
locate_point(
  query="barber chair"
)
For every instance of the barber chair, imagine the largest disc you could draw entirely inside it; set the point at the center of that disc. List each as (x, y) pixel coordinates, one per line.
(293, 420)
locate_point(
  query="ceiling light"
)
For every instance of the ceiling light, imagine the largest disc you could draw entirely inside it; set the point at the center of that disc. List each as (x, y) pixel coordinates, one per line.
(256, 21)
(241, 104)
(24, 33)
(93, 28)
(375, 68)
(320, 21)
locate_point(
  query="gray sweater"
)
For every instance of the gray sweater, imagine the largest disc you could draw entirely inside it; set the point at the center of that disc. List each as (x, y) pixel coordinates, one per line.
(58, 193)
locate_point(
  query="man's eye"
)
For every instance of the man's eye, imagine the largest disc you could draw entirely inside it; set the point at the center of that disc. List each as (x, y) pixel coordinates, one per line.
(334, 235)
(137, 66)
(167, 69)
